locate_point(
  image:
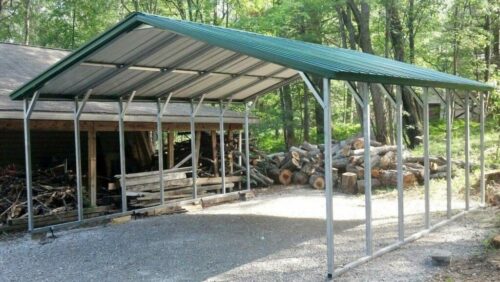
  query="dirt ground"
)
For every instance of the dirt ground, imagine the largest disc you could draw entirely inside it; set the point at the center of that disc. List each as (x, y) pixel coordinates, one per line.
(277, 236)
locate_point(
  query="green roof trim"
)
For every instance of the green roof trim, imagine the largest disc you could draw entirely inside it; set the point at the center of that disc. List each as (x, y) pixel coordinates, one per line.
(325, 61)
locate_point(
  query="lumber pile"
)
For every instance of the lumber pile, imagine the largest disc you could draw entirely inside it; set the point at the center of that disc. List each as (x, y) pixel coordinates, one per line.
(143, 189)
(53, 193)
(305, 165)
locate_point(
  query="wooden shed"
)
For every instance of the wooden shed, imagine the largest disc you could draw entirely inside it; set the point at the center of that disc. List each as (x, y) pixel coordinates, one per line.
(52, 124)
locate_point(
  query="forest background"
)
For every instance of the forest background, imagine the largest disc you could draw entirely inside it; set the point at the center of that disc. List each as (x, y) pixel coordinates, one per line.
(454, 36)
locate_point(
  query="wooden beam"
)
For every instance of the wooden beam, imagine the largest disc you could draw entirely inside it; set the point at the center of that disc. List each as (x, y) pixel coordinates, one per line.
(213, 133)
(67, 125)
(198, 144)
(170, 150)
(92, 163)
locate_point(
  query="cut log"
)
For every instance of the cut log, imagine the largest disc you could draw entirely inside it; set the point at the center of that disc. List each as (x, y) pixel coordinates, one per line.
(374, 150)
(358, 170)
(361, 184)
(293, 164)
(299, 178)
(389, 178)
(388, 160)
(340, 163)
(348, 184)
(359, 143)
(438, 160)
(317, 181)
(274, 174)
(309, 147)
(285, 177)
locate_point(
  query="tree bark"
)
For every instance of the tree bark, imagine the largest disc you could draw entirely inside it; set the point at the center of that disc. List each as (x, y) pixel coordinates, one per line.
(411, 121)
(362, 17)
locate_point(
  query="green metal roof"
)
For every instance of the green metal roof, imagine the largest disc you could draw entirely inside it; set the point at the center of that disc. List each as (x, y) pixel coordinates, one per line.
(330, 62)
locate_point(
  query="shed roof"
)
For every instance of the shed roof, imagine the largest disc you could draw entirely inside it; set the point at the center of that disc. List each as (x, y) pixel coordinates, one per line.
(19, 64)
(156, 56)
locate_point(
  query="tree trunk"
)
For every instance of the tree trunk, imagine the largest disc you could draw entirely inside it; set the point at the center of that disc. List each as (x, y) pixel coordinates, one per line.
(287, 111)
(362, 17)
(306, 124)
(27, 22)
(411, 122)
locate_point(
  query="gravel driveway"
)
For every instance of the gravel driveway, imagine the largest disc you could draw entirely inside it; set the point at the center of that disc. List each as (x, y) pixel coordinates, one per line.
(277, 236)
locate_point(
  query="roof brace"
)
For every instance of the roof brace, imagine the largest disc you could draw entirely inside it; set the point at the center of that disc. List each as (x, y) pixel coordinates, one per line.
(438, 94)
(415, 96)
(164, 107)
(83, 102)
(31, 106)
(312, 88)
(355, 93)
(193, 114)
(388, 95)
(227, 105)
(130, 98)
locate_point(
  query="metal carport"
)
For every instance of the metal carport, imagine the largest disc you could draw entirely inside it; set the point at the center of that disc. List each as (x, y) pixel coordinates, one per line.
(157, 59)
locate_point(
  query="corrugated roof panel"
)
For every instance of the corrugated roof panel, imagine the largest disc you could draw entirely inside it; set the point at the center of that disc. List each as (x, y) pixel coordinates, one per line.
(286, 73)
(191, 49)
(211, 58)
(163, 83)
(179, 50)
(126, 46)
(248, 92)
(238, 66)
(199, 85)
(230, 86)
(265, 70)
(67, 81)
(120, 83)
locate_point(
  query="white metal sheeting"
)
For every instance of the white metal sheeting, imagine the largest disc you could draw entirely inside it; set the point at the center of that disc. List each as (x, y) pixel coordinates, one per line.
(155, 62)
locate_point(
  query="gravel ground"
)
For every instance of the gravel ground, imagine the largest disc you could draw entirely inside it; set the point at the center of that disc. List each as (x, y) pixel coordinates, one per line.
(277, 236)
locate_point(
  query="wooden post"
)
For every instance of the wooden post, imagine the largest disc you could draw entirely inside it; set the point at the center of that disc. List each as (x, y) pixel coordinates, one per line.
(230, 153)
(92, 162)
(170, 137)
(198, 144)
(214, 152)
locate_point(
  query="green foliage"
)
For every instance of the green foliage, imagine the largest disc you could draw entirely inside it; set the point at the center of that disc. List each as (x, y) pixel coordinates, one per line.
(450, 36)
(437, 139)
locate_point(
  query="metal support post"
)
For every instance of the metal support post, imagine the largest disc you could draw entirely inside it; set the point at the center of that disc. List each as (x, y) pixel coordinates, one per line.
(327, 117)
(159, 134)
(121, 136)
(367, 159)
(426, 158)
(467, 151)
(482, 181)
(162, 108)
(399, 145)
(28, 110)
(194, 159)
(448, 153)
(222, 147)
(247, 144)
(78, 152)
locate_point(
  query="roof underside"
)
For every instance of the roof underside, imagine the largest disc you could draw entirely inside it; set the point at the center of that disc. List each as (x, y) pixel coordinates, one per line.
(157, 56)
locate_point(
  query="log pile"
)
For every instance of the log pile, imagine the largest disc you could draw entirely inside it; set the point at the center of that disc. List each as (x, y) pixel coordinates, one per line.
(300, 165)
(53, 192)
(305, 165)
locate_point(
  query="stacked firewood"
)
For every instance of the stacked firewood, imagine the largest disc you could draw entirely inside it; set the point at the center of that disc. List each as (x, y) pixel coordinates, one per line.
(53, 192)
(300, 165)
(305, 165)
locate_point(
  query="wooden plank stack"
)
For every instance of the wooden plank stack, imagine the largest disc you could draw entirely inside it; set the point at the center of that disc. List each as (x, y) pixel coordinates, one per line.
(143, 189)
